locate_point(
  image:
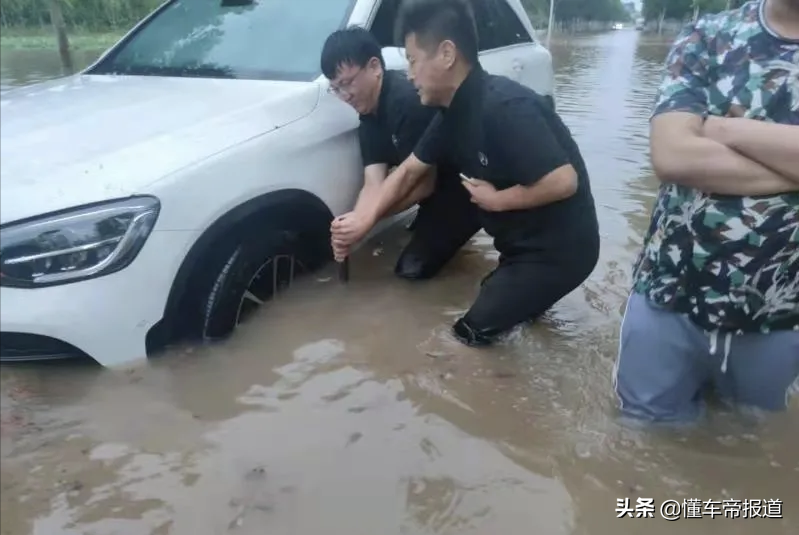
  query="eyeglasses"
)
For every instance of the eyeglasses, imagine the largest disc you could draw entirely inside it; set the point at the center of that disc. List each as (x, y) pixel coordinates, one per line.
(344, 88)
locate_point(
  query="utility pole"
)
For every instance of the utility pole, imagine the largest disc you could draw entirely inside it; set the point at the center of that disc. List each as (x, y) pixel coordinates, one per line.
(551, 21)
(60, 27)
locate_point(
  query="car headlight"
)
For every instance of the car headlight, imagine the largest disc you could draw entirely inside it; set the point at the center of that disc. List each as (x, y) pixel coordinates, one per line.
(75, 244)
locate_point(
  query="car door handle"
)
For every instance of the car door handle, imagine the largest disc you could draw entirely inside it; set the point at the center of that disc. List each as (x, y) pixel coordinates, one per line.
(517, 65)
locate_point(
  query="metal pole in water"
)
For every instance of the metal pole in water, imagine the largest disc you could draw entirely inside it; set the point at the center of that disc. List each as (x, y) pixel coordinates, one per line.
(551, 20)
(344, 270)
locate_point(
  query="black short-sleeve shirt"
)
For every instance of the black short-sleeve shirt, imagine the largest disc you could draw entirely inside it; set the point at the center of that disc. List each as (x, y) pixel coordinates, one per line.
(392, 133)
(500, 131)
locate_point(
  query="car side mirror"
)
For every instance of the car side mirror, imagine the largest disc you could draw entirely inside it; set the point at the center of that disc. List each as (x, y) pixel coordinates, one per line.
(394, 57)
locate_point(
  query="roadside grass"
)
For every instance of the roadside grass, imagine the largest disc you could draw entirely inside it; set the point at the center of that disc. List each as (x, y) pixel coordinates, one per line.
(44, 37)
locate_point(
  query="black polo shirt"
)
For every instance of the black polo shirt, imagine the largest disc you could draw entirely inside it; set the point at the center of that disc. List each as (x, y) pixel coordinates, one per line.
(500, 131)
(390, 134)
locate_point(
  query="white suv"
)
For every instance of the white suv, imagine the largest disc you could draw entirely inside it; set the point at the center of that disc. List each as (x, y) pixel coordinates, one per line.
(194, 168)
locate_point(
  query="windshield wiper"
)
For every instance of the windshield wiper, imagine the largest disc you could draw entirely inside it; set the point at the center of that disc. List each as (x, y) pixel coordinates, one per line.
(186, 71)
(209, 71)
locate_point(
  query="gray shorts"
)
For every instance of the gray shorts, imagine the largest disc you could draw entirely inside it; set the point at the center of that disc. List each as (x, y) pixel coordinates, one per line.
(665, 361)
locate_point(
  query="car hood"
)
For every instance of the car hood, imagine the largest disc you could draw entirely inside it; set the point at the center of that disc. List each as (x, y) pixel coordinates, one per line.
(85, 139)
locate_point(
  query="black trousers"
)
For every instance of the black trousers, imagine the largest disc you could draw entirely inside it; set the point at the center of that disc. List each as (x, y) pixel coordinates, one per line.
(524, 286)
(444, 222)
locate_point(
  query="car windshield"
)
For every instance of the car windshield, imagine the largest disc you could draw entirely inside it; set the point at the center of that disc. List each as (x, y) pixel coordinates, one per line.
(251, 39)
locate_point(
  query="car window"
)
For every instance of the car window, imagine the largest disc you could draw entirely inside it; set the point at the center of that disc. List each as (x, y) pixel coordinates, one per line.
(384, 23)
(253, 39)
(498, 25)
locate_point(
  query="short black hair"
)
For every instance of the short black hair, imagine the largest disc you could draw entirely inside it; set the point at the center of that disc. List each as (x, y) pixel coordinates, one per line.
(435, 21)
(350, 46)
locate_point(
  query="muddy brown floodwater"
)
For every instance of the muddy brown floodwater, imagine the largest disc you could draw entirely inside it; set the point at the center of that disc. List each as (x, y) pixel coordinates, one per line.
(350, 411)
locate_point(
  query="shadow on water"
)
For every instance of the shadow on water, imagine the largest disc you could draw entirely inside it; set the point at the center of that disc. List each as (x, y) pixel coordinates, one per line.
(350, 409)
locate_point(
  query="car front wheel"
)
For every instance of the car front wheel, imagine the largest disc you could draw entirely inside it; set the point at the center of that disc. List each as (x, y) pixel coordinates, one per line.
(250, 273)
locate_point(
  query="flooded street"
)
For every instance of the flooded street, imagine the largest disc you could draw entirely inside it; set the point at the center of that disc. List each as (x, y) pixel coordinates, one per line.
(349, 410)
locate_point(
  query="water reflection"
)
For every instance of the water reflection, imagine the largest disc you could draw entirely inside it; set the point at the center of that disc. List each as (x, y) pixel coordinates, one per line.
(350, 409)
(27, 66)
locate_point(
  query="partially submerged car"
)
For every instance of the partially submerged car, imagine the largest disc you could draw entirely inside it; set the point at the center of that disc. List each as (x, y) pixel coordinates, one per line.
(169, 188)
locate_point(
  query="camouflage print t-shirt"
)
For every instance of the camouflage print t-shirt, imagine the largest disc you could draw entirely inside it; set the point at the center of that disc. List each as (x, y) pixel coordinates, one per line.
(731, 263)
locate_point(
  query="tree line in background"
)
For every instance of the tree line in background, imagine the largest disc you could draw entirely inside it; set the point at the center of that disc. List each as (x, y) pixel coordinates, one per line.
(89, 15)
(100, 15)
(119, 15)
(104, 15)
(684, 9)
(576, 10)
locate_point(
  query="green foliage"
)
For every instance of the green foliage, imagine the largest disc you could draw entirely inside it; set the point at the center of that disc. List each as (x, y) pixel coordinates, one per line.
(599, 10)
(98, 15)
(16, 39)
(91, 15)
(683, 9)
(94, 16)
(586, 10)
(670, 9)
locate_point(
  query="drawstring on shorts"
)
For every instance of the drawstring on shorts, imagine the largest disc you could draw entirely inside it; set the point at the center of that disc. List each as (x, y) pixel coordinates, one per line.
(714, 339)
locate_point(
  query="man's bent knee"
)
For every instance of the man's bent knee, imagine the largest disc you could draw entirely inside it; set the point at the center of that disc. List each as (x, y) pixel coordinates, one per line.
(487, 321)
(426, 254)
(473, 336)
(516, 292)
(414, 266)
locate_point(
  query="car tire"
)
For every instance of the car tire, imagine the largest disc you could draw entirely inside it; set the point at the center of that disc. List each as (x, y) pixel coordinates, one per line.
(245, 275)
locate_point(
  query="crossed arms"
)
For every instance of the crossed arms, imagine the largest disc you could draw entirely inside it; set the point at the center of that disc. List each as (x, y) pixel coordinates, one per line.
(722, 155)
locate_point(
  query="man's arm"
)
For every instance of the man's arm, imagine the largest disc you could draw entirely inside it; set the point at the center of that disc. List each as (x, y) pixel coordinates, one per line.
(773, 145)
(532, 157)
(398, 185)
(376, 153)
(412, 172)
(373, 178)
(680, 154)
(423, 188)
(556, 185)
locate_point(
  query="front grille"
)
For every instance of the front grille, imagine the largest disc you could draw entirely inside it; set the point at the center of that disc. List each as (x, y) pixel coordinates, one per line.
(23, 347)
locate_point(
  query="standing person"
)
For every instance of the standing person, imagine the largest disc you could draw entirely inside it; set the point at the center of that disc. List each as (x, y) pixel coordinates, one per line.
(523, 170)
(392, 120)
(716, 287)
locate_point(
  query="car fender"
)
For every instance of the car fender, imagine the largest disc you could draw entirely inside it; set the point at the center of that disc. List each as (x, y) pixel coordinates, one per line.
(318, 154)
(288, 209)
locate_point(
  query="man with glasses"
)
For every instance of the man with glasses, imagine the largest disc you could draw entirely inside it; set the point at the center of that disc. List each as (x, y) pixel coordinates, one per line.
(392, 120)
(521, 166)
